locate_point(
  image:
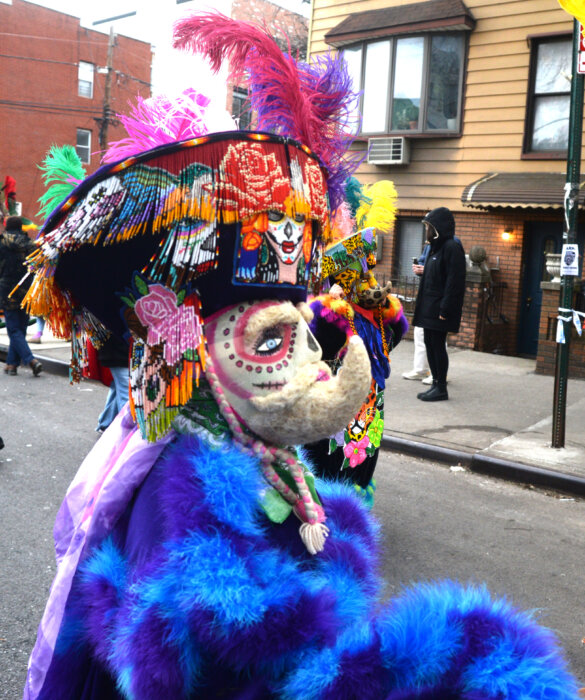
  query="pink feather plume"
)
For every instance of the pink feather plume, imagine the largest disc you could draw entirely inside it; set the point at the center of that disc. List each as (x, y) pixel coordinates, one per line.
(159, 120)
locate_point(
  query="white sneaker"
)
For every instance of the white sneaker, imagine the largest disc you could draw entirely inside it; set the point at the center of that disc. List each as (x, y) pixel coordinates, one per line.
(429, 380)
(413, 374)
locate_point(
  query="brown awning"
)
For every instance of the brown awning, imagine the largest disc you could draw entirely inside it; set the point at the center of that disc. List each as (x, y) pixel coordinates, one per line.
(525, 190)
(435, 15)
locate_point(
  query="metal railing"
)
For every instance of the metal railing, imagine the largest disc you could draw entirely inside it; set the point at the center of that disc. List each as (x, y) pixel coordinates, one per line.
(405, 288)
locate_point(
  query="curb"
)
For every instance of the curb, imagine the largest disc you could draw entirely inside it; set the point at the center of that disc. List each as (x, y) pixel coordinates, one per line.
(482, 463)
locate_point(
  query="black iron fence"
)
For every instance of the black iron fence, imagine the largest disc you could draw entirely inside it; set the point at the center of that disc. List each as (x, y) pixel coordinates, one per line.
(405, 288)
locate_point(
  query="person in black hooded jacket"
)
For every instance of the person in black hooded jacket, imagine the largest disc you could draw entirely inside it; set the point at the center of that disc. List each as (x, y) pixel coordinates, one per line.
(439, 301)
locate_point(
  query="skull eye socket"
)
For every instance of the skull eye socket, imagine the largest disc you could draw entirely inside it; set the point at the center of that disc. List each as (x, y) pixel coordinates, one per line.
(274, 215)
(270, 341)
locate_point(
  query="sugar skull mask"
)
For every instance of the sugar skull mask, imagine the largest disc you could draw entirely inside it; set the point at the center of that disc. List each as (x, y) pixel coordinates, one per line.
(269, 367)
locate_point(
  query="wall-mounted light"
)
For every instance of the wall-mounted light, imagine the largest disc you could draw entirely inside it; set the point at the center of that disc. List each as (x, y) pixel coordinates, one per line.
(507, 234)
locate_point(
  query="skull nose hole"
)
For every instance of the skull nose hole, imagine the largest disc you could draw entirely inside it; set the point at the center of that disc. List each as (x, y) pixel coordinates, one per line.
(312, 343)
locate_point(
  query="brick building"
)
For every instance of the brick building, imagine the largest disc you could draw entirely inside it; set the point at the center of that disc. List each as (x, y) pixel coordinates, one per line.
(53, 77)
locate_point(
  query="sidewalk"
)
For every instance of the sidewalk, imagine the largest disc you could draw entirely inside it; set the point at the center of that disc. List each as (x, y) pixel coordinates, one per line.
(498, 419)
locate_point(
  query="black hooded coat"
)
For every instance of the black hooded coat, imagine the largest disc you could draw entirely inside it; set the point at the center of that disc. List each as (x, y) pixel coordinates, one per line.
(15, 246)
(442, 285)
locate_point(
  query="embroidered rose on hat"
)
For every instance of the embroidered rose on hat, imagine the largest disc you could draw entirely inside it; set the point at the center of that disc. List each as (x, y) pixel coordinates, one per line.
(156, 305)
(169, 322)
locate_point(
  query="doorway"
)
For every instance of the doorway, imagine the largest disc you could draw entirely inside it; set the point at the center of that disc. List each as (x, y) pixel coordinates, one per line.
(541, 237)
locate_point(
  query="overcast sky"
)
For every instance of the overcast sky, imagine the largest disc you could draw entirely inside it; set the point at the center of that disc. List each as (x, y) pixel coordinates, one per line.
(173, 71)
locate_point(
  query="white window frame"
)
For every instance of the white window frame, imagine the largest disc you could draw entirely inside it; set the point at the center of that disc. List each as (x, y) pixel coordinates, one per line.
(419, 123)
(83, 149)
(85, 79)
(535, 98)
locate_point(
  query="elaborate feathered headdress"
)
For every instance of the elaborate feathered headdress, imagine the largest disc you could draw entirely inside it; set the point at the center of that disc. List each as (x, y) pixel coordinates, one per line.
(354, 239)
(157, 240)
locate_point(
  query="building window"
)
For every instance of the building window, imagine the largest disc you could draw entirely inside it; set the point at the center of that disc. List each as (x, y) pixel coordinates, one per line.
(85, 79)
(410, 240)
(241, 109)
(83, 145)
(409, 84)
(547, 113)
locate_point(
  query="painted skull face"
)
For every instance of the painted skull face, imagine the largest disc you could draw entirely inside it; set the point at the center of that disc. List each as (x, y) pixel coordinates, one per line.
(285, 235)
(269, 367)
(257, 348)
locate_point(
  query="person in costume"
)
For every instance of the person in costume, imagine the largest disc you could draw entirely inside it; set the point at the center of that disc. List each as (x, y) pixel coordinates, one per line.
(181, 573)
(8, 206)
(356, 305)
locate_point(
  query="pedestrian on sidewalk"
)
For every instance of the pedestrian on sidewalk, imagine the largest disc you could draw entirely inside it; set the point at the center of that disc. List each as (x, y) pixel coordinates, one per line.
(15, 246)
(420, 366)
(439, 302)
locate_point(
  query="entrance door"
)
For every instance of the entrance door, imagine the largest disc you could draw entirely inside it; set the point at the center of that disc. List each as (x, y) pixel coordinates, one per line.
(541, 237)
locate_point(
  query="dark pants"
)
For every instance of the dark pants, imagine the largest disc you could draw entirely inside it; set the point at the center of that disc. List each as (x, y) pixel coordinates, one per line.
(435, 343)
(18, 349)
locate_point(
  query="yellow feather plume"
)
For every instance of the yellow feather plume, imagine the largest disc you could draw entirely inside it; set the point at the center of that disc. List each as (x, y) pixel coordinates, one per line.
(378, 206)
(575, 8)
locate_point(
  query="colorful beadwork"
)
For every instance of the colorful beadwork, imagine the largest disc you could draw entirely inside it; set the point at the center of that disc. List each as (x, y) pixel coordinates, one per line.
(168, 353)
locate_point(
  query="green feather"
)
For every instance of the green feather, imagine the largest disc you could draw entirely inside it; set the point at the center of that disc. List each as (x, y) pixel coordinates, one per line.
(353, 194)
(62, 170)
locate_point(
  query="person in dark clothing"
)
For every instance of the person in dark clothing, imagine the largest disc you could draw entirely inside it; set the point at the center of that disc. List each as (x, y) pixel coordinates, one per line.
(15, 246)
(439, 302)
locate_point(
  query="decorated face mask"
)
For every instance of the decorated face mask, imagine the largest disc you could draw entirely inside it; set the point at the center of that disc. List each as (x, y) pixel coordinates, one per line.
(285, 236)
(269, 367)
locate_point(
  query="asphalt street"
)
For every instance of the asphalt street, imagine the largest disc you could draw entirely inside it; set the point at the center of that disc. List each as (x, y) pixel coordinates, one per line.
(437, 522)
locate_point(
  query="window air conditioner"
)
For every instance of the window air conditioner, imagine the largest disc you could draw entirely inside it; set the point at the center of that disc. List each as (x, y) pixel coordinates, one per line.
(393, 150)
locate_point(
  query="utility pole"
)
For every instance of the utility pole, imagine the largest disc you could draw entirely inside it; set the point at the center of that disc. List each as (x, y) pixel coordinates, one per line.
(569, 236)
(105, 120)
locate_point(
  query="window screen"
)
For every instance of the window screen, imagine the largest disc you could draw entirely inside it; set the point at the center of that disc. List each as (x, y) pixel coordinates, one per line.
(410, 244)
(83, 145)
